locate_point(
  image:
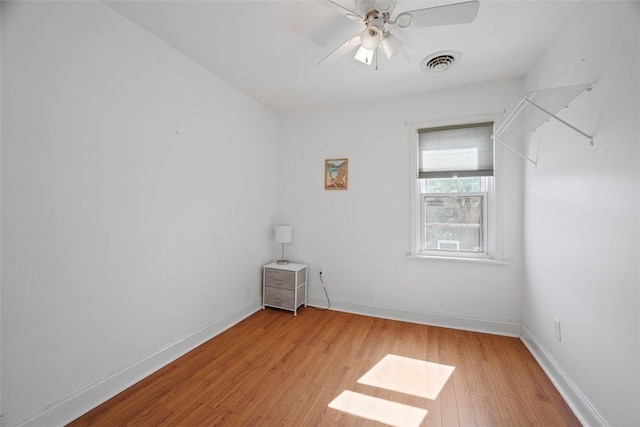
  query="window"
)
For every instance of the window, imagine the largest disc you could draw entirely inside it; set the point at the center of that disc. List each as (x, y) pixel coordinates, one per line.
(454, 191)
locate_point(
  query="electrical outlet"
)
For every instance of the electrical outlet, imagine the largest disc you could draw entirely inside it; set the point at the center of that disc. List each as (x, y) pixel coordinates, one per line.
(556, 329)
(321, 269)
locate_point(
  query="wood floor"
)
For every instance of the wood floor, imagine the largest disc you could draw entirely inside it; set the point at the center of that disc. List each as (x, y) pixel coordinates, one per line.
(277, 369)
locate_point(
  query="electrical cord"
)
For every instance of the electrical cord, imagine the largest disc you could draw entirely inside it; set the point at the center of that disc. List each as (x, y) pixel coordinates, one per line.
(326, 293)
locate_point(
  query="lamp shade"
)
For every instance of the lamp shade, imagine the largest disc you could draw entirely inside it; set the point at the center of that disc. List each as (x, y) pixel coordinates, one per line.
(365, 55)
(391, 45)
(370, 37)
(283, 233)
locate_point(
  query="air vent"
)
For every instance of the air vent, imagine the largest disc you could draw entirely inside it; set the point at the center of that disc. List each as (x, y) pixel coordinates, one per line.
(440, 61)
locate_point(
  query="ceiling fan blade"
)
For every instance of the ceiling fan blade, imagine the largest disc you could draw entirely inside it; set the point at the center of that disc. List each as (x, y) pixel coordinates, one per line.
(404, 52)
(343, 10)
(349, 44)
(457, 13)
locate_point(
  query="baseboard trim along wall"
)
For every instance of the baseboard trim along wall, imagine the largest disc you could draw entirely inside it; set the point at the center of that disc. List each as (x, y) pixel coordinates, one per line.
(71, 407)
(579, 404)
(433, 319)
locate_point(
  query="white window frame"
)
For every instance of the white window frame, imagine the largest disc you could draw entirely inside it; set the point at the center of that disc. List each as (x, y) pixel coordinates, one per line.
(492, 236)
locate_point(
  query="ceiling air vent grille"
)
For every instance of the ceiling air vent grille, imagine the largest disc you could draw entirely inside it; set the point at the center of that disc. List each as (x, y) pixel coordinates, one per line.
(440, 61)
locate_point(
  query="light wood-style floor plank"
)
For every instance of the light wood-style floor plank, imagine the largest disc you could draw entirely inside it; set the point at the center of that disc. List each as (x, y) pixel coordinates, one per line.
(277, 369)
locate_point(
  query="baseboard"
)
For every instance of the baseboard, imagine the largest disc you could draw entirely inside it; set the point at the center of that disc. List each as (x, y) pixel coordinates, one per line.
(579, 404)
(71, 407)
(432, 319)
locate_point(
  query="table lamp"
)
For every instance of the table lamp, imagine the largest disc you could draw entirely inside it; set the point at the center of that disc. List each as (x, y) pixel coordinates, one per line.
(283, 235)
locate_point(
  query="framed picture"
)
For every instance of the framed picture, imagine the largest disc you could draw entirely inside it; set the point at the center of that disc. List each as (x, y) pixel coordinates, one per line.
(336, 174)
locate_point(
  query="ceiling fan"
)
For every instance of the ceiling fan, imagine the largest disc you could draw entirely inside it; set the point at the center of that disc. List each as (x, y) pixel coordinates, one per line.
(379, 23)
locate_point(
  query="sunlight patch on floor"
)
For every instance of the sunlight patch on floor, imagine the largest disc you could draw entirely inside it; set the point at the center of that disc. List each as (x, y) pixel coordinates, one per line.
(408, 376)
(376, 409)
(400, 374)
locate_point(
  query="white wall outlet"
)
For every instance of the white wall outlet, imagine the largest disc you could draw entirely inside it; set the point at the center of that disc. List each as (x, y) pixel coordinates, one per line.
(557, 332)
(321, 269)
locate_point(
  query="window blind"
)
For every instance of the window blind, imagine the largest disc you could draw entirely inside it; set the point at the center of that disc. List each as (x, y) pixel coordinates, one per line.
(456, 151)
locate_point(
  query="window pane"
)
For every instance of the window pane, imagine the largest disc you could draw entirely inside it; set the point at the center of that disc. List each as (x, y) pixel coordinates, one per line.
(452, 185)
(453, 223)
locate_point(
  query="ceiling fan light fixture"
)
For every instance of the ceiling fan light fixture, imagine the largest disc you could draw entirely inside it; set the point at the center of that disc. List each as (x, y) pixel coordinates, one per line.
(377, 17)
(370, 37)
(365, 55)
(391, 45)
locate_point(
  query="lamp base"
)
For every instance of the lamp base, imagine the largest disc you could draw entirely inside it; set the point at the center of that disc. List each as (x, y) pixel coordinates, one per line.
(282, 261)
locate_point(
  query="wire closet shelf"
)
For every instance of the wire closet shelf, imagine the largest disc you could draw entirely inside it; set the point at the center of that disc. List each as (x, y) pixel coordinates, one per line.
(537, 107)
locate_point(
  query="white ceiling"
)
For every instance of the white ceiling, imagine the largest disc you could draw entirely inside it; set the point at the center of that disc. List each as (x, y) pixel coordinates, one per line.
(269, 48)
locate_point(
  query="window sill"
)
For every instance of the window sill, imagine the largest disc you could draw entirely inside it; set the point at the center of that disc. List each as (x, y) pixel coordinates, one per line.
(459, 259)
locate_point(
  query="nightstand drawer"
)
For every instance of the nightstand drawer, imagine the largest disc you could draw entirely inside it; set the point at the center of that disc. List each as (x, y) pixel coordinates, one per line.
(279, 278)
(283, 298)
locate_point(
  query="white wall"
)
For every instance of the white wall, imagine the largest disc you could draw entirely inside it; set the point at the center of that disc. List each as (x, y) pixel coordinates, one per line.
(0, 214)
(361, 236)
(138, 198)
(582, 216)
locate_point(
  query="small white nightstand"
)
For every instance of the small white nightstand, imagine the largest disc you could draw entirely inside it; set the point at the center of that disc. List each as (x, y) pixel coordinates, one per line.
(284, 286)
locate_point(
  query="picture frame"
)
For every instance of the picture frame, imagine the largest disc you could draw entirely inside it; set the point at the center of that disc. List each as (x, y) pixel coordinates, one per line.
(336, 174)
